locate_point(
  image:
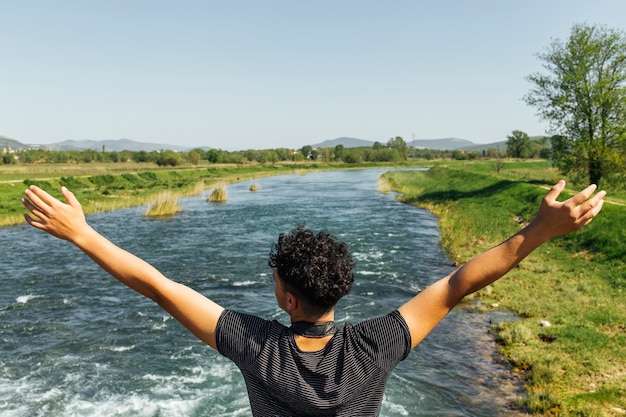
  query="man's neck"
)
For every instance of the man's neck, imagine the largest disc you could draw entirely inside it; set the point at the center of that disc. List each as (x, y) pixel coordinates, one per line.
(329, 316)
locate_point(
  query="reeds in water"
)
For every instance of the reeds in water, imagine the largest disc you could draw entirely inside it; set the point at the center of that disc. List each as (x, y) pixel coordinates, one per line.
(219, 194)
(165, 204)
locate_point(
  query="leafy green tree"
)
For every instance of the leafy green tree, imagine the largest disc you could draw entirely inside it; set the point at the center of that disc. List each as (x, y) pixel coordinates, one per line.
(458, 155)
(8, 159)
(353, 156)
(114, 156)
(214, 156)
(284, 154)
(583, 96)
(339, 152)
(306, 151)
(325, 154)
(169, 158)
(518, 145)
(194, 156)
(401, 146)
(141, 156)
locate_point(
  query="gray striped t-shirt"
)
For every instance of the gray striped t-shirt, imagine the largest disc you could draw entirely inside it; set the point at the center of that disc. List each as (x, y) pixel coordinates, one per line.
(346, 378)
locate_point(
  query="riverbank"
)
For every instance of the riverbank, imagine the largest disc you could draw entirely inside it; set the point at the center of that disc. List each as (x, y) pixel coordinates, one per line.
(574, 366)
(103, 187)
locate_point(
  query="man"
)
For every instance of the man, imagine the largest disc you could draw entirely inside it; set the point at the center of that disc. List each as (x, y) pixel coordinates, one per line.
(312, 368)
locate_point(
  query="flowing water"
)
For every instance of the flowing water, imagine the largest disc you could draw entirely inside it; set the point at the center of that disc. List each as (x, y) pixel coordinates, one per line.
(75, 342)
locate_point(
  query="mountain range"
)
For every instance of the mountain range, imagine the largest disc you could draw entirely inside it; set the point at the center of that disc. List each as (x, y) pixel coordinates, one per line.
(439, 144)
(134, 146)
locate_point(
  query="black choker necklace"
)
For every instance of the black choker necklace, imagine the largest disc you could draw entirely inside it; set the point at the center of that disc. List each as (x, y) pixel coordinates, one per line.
(317, 330)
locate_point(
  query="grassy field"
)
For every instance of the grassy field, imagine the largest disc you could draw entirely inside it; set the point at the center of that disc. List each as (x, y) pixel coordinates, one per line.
(108, 186)
(577, 365)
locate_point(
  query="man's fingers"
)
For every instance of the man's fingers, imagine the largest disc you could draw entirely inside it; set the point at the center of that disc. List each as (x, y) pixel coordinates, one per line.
(31, 207)
(580, 198)
(39, 197)
(555, 191)
(595, 200)
(590, 214)
(70, 197)
(33, 222)
(596, 209)
(594, 204)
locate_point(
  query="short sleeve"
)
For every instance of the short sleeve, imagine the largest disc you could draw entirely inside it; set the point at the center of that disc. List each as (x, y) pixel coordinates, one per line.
(386, 339)
(240, 337)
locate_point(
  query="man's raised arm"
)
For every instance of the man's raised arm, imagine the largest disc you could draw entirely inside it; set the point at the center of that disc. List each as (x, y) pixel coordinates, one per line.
(67, 222)
(424, 311)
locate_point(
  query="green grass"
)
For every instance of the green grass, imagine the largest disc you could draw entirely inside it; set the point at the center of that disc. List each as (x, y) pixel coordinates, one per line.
(576, 366)
(110, 186)
(107, 186)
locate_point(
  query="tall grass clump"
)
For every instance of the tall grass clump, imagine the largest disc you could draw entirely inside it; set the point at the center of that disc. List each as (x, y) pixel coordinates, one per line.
(219, 194)
(165, 204)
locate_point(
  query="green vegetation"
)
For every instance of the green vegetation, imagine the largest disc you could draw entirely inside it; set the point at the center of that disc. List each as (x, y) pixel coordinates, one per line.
(519, 145)
(107, 186)
(575, 366)
(583, 95)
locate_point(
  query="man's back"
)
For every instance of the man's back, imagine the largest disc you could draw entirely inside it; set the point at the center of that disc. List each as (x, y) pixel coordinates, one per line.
(346, 378)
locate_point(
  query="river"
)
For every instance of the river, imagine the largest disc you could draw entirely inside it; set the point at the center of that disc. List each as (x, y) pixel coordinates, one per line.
(75, 342)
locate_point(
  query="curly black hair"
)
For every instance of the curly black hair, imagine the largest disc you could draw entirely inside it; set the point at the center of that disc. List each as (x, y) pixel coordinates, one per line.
(317, 267)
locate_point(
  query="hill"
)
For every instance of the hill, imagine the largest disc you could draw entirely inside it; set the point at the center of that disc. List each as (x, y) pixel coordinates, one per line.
(439, 144)
(480, 147)
(346, 142)
(111, 145)
(12, 144)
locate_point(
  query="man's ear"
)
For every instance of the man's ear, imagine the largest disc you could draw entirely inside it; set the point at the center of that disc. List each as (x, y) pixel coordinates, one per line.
(292, 301)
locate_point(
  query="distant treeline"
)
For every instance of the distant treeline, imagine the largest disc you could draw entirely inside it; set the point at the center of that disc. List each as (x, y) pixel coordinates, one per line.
(395, 150)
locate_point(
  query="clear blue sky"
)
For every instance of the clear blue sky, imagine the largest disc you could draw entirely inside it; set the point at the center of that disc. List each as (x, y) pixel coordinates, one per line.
(267, 74)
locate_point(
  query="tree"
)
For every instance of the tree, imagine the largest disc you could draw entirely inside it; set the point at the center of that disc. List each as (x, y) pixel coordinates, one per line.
(168, 158)
(339, 152)
(584, 98)
(214, 156)
(306, 151)
(399, 144)
(195, 156)
(141, 156)
(7, 159)
(518, 144)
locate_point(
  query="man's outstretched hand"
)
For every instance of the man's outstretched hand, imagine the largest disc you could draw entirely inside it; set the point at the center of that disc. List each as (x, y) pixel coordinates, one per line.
(560, 218)
(65, 221)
